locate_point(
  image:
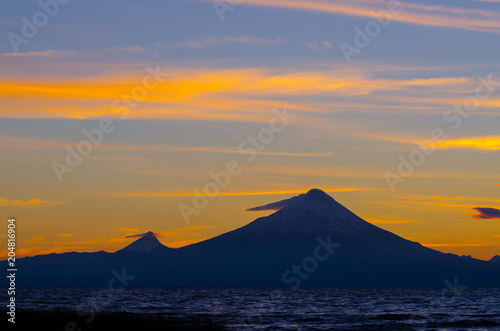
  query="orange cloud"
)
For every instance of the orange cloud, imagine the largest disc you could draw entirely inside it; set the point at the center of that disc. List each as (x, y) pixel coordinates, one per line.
(443, 198)
(129, 229)
(385, 221)
(32, 203)
(64, 235)
(177, 195)
(36, 239)
(178, 231)
(185, 236)
(481, 143)
(457, 244)
(485, 143)
(187, 93)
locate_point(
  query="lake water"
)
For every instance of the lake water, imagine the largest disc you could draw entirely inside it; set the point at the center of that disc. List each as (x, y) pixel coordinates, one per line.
(448, 308)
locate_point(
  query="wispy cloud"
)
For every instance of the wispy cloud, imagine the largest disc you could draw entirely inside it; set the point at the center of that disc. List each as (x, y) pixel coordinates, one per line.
(458, 244)
(178, 231)
(316, 46)
(46, 53)
(447, 198)
(274, 205)
(178, 195)
(167, 148)
(481, 143)
(65, 235)
(36, 239)
(129, 229)
(207, 94)
(30, 203)
(484, 143)
(142, 235)
(419, 14)
(387, 221)
(19, 143)
(211, 41)
(50, 53)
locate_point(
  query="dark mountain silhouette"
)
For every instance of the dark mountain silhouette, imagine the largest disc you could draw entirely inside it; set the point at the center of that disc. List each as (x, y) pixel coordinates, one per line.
(495, 259)
(312, 241)
(146, 243)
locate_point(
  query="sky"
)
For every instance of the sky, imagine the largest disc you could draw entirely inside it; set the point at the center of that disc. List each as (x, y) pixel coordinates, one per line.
(122, 117)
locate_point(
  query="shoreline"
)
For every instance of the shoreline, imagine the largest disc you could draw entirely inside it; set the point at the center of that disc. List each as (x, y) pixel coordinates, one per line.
(70, 320)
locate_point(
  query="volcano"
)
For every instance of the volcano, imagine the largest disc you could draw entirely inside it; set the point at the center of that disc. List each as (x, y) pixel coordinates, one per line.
(146, 243)
(311, 240)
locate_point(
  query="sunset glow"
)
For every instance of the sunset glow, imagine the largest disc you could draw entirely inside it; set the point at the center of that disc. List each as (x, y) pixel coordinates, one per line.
(112, 127)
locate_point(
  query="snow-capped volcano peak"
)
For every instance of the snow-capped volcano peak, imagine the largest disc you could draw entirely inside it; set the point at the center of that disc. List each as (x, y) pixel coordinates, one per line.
(315, 213)
(319, 195)
(313, 198)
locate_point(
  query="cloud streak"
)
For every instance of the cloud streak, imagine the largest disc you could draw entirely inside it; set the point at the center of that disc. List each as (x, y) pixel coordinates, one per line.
(419, 14)
(212, 41)
(54, 53)
(229, 194)
(489, 143)
(484, 143)
(206, 94)
(31, 203)
(487, 213)
(142, 235)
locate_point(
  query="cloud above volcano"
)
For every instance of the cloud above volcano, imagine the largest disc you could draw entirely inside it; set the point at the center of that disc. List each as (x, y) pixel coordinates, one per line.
(487, 213)
(142, 235)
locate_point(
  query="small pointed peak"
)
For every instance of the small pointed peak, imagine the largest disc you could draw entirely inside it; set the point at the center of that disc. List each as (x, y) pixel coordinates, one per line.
(320, 195)
(146, 242)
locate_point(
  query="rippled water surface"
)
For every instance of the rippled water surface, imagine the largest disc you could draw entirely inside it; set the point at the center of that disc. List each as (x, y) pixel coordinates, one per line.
(448, 308)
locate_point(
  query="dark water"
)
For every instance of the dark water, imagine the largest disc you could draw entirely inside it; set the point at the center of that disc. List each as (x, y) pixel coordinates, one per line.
(448, 308)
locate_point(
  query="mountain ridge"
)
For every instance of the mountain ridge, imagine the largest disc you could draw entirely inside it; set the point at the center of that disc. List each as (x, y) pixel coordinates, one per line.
(260, 253)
